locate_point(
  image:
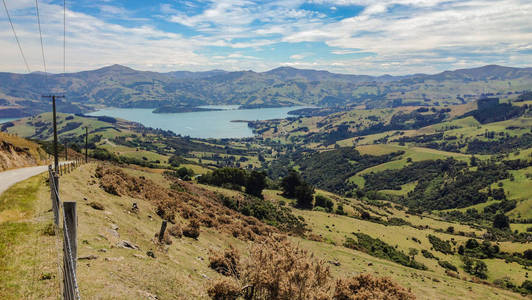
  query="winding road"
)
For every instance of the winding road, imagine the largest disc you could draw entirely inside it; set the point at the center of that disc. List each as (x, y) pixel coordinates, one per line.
(10, 177)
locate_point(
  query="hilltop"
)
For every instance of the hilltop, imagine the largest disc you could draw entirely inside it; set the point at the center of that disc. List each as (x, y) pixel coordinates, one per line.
(120, 86)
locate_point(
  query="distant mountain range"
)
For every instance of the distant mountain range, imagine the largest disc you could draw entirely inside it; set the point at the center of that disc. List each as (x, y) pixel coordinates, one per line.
(120, 86)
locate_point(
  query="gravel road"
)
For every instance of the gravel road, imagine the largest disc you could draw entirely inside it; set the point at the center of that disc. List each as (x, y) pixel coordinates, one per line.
(10, 177)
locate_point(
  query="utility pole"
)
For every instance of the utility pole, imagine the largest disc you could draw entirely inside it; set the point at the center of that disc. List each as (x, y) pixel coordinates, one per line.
(66, 152)
(56, 154)
(86, 144)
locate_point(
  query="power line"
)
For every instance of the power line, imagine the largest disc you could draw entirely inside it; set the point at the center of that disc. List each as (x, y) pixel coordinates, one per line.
(16, 37)
(64, 36)
(40, 35)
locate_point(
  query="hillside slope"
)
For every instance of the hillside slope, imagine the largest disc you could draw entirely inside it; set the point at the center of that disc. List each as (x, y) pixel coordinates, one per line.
(109, 268)
(17, 152)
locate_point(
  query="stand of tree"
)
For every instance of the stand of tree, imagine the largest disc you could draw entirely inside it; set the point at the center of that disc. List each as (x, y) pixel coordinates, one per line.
(445, 184)
(234, 178)
(330, 170)
(295, 187)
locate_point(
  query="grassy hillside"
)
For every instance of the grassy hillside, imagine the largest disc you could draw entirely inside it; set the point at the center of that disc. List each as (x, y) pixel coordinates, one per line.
(181, 269)
(16, 152)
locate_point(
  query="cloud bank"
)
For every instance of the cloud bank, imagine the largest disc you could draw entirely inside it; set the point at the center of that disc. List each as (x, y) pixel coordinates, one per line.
(346, 36)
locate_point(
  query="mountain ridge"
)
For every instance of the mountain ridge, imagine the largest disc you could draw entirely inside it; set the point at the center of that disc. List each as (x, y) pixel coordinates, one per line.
(122, 86)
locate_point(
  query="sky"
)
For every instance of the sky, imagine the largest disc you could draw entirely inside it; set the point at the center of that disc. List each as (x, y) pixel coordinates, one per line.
(371, 37)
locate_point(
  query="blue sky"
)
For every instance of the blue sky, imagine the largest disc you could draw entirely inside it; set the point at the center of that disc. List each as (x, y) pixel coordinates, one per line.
(345, 36)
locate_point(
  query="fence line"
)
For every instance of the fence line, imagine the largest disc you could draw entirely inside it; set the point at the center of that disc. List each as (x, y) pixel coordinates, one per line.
(69, 217)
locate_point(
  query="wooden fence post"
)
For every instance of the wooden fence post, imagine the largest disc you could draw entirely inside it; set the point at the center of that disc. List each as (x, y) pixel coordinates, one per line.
(163, 229)
(71, 219)
(70, 250)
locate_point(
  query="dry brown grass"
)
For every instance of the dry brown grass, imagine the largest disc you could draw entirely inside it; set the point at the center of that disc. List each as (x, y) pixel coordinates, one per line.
(167, 240)
(186, 200)
(175, 231)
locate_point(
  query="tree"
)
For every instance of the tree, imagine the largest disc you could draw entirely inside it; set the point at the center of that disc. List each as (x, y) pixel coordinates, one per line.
(528, 254)
(480, 269)
(473, 161)
(255, 183)
(475, 267)
(304, 195)
(501, 221)
(412, 252)
(289, 184)
(322, 201)
(471, 244)
(527, 285)
(176, 160)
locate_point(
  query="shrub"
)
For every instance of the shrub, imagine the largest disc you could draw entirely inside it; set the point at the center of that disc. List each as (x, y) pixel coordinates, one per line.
(452, 274)
(447, 265)
(278, 270)
(192, 230)
(527, 286)
(527, 254)
(428, 254)
(440, 245)
(366, 286)
(166, 238)
(475, 267)
(225, 289)
(49, 229)
(471, 244)
(275, 269)
(175, 231)
(226, 262)
(324, 202)
(501, 221)
(378, 248)
(340, 210)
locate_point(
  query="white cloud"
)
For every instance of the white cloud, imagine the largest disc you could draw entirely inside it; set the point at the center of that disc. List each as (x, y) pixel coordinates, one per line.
(402, 36)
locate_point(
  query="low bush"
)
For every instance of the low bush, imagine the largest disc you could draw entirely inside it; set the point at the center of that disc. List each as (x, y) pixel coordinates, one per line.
(447, 265)
(475, 267)
(175, 231)
(192, 230)
(275, 269)
(225, 289)
(428, 254)
(226, 262)
(440, 245)
(366, 286)
(378, 248)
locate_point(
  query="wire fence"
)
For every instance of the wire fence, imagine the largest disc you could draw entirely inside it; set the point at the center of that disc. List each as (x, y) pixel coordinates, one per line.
(67, 212)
